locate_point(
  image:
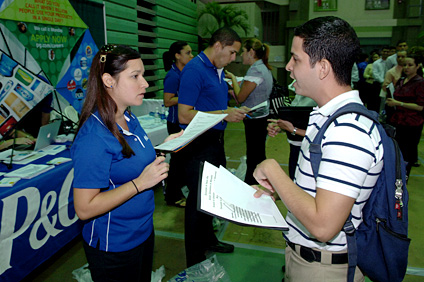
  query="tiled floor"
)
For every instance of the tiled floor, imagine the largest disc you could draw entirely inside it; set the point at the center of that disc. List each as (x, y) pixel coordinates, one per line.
(259, 252)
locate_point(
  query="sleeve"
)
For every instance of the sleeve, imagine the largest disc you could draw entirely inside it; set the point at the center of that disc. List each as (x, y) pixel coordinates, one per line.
(254, 75)
(377, 72)
(368, 71)
(190, 86)
(171, 83)
(420, 93)
(92, 160)
(387, 79)
(348, 154)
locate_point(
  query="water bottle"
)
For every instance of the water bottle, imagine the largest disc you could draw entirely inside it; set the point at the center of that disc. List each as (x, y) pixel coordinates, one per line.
(157, 115)
(162, 114)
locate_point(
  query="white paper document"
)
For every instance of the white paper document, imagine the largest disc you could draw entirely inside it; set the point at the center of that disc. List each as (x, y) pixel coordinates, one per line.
(198, 125)
(258, 106)
(224, 195)
(390, 90)
(29, 171)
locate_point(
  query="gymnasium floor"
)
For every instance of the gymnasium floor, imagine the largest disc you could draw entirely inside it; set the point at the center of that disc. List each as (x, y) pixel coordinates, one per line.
(259, 253)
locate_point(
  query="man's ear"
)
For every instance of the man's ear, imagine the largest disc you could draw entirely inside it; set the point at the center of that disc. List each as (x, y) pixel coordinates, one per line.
(324, 68)
(217, 46)
(108, 80)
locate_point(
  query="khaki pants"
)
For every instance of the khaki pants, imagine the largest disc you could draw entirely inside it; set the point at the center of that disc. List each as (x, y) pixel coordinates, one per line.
(298, 269)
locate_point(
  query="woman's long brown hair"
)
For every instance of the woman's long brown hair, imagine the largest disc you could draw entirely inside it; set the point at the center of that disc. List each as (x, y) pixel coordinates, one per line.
(111, 59)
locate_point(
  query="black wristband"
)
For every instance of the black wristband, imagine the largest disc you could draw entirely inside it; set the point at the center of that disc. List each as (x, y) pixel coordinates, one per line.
(135, 187)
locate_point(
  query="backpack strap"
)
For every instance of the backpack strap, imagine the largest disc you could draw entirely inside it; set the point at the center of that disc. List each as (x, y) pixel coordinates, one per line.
(315, 157)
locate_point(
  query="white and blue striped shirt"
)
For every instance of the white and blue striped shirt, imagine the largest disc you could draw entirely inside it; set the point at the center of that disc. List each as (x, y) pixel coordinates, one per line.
(352, 159)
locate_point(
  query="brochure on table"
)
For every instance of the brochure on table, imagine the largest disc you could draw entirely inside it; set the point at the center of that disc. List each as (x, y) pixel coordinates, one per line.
(224, 195)
(198, 125)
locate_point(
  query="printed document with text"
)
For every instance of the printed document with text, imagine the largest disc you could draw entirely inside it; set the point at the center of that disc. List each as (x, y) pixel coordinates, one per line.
(199, 124)
(224, 195)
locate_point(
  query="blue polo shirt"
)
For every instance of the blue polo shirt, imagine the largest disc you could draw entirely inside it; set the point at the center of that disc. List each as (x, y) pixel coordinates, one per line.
(171, 83)
(202, 88)
(99, 164)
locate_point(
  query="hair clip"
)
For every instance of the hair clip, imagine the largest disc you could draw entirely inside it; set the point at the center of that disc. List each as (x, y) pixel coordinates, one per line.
(106, 49)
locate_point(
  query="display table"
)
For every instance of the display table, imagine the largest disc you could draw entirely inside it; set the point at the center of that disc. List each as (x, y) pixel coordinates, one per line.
(157, 131)
(37, 218)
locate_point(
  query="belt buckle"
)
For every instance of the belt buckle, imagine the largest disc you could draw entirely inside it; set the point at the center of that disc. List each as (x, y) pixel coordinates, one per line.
(309, 255)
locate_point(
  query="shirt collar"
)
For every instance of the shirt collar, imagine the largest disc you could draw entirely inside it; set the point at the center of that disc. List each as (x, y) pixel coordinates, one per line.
(258, 62)
(202, 56)
(175, 68)
(338, 102)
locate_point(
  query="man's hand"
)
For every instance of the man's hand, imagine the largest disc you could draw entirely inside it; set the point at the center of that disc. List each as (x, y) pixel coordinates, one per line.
(273, 128)
(173, 136)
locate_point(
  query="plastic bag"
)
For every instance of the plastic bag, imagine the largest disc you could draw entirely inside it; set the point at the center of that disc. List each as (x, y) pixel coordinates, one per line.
(83, 274)
(158, 274)
(241, 170)
(208, 270)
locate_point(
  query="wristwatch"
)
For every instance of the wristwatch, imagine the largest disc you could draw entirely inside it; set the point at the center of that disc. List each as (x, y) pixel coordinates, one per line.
(294, 131)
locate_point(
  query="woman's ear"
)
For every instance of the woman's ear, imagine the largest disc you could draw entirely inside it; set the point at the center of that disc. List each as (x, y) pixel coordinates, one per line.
(108, 80)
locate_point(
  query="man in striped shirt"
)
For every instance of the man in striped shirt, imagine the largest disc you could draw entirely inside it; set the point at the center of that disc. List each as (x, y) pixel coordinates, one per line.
(323, 52)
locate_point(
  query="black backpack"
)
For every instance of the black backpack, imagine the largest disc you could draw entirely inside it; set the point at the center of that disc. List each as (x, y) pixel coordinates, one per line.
(380, 244)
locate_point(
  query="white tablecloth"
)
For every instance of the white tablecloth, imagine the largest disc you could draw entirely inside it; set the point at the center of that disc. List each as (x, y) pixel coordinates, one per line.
(149, 105)
(156, 131)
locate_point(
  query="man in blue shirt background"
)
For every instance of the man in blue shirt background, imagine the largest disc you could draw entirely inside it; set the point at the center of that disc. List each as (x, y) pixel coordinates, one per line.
(202, 88)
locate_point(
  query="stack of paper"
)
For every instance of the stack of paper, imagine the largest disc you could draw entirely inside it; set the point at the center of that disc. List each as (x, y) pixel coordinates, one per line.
(8, 181)
(224, 195)
(29, 171)
(199, 124)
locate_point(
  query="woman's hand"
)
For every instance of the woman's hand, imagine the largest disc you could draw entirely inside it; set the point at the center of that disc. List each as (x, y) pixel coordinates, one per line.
(152, 174)
(229, 75)
(175, 135)
(25, 140)
(392, 102)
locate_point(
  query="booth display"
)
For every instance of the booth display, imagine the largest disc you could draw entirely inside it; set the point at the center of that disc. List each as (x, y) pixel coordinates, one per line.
(45, 47)
(37, 218)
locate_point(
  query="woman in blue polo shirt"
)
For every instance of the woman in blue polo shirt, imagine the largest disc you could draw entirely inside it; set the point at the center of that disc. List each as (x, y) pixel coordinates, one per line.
(174, 60)
(115, 166)
(255, 89)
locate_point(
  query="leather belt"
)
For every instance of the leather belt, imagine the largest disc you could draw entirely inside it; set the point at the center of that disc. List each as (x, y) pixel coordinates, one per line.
(311, 255)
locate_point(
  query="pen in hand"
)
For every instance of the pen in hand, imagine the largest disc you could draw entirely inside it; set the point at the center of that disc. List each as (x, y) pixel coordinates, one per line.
(160, 154)
(244, 114)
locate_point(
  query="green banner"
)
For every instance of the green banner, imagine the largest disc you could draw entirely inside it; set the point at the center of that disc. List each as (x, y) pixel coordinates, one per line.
(53, 12)
(48, 44)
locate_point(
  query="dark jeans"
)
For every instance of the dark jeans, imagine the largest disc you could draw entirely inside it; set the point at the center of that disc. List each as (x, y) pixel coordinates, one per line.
(408, 138)
(133, 265)
(176, 179)
(199, 232)
(255, 131)
(294, 156)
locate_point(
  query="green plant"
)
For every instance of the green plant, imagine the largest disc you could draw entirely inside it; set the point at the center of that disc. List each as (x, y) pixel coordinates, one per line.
(214, 16)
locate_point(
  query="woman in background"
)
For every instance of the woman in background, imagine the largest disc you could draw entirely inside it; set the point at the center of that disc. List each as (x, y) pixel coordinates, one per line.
(174, 60)
(115, 165)
(255, 89)
(408, 101)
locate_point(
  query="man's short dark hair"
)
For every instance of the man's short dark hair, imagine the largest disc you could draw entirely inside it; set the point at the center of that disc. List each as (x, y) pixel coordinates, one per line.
(333, 39)
(226, 36)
